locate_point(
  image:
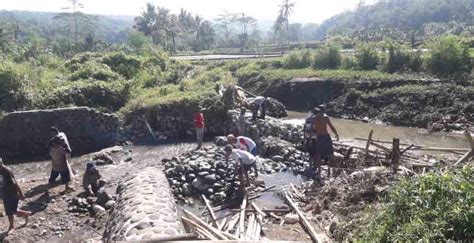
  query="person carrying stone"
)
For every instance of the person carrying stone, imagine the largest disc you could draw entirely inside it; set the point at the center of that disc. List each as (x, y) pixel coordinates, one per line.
(60, 153)
(92, 180)
(241, 123)
(323, 145)
(245, 161)
(12, 194)
(257, 104)
(243, 143)
(199, 125)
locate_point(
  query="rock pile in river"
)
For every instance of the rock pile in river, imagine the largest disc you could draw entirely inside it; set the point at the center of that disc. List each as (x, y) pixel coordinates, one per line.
(199, 172)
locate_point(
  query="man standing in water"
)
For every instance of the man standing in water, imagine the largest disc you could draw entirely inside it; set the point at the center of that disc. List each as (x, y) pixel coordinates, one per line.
(60, 152)
(199, 125)
(12, 194)
(323, 144)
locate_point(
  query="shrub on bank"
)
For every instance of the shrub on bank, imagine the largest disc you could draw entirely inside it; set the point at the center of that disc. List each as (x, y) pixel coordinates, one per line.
(94, 70)
(14, 82)
(367, 57)
(327, 57)
(449, 57)
(435, 206)
(297, 59)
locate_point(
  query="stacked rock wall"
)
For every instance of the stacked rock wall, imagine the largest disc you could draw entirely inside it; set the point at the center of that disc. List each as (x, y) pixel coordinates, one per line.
(145, 209)
(25, 134)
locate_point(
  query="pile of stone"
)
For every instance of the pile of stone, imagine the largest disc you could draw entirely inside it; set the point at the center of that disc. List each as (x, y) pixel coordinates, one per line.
(95, 205)
(202, 171)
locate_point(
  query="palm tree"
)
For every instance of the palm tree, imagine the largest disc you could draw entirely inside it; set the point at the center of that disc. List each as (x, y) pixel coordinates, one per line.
(286, 9)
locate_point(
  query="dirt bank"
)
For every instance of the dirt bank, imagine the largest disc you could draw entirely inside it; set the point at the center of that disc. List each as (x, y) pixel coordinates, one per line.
(432, 104)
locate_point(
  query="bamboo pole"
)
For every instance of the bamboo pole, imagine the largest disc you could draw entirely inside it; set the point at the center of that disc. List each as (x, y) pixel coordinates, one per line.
(369, 140)
(211, 212)
(233, 221)
(382, 141)
(442, 149)
(215, 231)
(258, 229)
(381, 147)
(257, 209)
(469, 154)
(306, 224)
(250, 227)
(243, 206)
(204, 232)
(233, 203)
(395, 154)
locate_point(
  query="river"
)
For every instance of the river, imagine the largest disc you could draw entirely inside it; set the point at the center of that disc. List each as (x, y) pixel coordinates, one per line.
(350, 129)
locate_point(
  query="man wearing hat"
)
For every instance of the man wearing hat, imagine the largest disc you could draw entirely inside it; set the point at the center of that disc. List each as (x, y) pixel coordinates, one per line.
(323, 144)
(12, 194)
(92, 179)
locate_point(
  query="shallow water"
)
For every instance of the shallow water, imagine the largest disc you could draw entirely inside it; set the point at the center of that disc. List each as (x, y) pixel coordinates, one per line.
(350, 129)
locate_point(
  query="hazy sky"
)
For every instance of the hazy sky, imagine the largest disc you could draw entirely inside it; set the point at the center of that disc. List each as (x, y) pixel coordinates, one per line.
(304, 11)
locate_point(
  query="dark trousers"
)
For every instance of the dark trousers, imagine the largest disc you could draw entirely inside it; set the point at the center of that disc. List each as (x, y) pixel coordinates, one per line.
(263, 111)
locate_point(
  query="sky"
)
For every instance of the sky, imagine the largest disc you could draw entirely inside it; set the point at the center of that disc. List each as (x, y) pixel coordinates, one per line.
(305, 11)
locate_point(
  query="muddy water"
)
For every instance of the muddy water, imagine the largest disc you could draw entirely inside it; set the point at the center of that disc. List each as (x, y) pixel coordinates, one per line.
(350, 129)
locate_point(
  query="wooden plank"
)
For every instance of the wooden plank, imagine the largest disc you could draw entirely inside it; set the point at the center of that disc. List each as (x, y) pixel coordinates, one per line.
(211, 212)
(233, 221)
(306, 224)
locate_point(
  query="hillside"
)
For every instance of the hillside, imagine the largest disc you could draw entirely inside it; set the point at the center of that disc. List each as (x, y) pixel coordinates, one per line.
(408, 20)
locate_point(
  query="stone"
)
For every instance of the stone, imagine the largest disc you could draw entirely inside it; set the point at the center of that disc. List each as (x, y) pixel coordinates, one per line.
(277, 158)
(210, 179)
(97, 209)
(110, 204)
(203, 173)
(291, 218)
(190, 177)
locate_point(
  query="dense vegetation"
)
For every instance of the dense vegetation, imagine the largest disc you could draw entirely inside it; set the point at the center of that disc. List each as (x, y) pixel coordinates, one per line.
(435, 206)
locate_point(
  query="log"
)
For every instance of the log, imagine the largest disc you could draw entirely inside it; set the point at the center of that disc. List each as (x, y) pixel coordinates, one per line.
(260, 212)
(273, 215)
(243, 206)
(464, 158)
(208, 227)
(306, 224)
(211, 212)
(406, 149)
(204, 232)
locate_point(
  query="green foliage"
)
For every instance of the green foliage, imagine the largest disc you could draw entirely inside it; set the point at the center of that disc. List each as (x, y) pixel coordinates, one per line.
(436, 206)
(349, 63)
(14, 81)
(367, 57)
(398, 59)
(122, 64)
(94, 70)
(297, 59)
(98, 94)
(327, 57)
(449, 57)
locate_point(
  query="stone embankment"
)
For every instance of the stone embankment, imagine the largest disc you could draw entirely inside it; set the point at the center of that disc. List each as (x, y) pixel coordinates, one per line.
(145, 209)
(26, 133)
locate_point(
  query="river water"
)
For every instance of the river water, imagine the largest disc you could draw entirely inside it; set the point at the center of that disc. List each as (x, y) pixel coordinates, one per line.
(350, 129)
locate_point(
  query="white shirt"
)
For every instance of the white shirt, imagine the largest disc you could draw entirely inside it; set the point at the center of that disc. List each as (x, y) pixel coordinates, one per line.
(259, 100)
(243, 142)
(243, 156)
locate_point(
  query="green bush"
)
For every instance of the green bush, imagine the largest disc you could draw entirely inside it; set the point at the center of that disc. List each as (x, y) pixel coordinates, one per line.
(122, 64)
(449, 57)
(94, 70)
(349, 63)
(367, 57)
(297, 59)
(398, 59)
(416, 62)
(433, 207)
(327, 57)
(14, 83)
(98, 94)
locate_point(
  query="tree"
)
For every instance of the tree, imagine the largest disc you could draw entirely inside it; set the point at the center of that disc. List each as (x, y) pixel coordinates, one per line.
(283, 20)
(224, 25)
(137, 40)
(245, 22)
